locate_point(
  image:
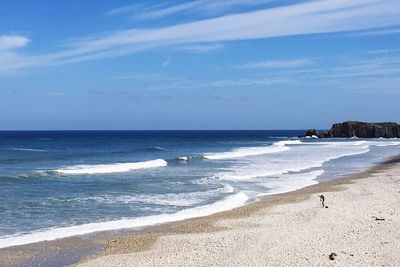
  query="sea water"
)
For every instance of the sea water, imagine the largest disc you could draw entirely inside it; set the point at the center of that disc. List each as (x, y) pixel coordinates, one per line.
(65, 183)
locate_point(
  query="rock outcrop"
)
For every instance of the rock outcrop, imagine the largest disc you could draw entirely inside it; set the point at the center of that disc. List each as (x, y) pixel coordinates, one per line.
(312, 133)
(359, 129)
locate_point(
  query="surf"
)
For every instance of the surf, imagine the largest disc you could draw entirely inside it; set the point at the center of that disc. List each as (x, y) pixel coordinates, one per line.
(298, 159)
(277, 147)
(230, 202)
(111, 168)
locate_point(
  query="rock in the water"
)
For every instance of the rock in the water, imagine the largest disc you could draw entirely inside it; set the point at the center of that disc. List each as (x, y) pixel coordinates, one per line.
(312, 132)
(359, 129)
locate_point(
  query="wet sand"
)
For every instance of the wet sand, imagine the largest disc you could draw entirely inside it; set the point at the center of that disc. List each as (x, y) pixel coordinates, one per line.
(285, 229)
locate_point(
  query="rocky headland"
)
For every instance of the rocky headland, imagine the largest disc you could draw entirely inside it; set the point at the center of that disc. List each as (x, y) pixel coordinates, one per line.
(359, 129)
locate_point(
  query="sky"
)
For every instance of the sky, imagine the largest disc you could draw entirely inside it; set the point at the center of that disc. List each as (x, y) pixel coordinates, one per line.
(201, 64)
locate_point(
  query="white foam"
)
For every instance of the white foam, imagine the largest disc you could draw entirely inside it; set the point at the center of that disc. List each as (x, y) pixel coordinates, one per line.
(228, 188)
(28, 149)
(112, 168)
(374, 142)
(157, 148)
(384, 143)
(171, 199)
(252, 151)
(228, 203)
(298, 159)
(338, 143)
(291, 182)
(184, 158)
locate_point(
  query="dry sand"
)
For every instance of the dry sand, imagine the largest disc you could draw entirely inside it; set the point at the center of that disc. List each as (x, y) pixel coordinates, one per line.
(285, 230)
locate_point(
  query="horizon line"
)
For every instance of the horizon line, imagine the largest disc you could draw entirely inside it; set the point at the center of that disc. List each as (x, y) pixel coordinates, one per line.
(127, 130)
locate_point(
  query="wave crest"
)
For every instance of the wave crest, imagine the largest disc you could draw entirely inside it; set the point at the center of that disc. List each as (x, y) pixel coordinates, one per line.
(112, 168)
(28, 149)
(296, 160)
(277, 147)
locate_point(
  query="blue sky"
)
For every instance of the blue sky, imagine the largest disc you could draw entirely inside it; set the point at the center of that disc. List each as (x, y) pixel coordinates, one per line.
(204, 64)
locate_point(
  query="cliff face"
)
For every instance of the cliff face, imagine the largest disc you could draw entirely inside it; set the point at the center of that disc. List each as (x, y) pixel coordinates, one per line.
(360, 129)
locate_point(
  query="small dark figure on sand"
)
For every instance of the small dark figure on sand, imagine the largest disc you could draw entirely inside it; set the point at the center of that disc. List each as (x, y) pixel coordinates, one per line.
(332, 256)
(322, 198)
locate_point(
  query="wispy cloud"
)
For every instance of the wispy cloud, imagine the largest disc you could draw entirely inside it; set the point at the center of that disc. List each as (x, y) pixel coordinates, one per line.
(249, 82)
(146, 76)
(9, 57)
(166, 62)
(372, 72)
(276, 64)
(156, 13)
(128, 9)
(155, 81)
(202, 48)
(9, 42)
(157, 10)
(324, 16)
(380, 32)
(381, 51)
(371, 67)
(378, 85)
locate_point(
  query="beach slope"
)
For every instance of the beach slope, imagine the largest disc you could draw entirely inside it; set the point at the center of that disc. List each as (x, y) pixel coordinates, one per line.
(360, 227)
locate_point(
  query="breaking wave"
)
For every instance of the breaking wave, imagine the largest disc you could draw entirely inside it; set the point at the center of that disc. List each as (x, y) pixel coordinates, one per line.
(277, 147)
(299, 158)
(112, 168)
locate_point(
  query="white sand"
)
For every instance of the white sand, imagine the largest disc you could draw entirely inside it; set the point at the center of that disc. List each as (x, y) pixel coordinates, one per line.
(293, 234)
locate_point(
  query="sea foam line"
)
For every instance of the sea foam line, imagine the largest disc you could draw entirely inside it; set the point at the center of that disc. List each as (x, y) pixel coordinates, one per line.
(254, 171)
(291, 182)
(112, 168)
(228, 203)
(253, 151)
(28, 149)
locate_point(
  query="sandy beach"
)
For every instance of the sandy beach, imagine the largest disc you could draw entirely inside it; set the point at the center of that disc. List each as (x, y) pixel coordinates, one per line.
(360, 226)
(200, 133)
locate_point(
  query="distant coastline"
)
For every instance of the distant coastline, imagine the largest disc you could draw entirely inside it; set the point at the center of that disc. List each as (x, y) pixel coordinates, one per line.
(349, 129)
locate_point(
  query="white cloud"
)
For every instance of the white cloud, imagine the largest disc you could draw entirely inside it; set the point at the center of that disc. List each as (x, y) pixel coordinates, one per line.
(276, 64)
(167, 11)
(324, 16)
(146, 77)
(371, 72)
(152, 11)
(9, 58)
(381, 51)
(9, 42)
(306, 18)
(380, 32)
(378, 85)
(202, 48)
(128, 9)
(249, 82)
(362, 68)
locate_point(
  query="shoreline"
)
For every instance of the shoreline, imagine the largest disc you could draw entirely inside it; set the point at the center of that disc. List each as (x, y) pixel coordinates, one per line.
(72, 250)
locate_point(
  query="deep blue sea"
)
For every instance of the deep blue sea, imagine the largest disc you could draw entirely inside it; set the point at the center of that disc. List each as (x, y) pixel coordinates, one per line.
(56, 184)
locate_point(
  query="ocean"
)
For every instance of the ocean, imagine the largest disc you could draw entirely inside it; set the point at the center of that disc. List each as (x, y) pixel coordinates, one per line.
(56, 184)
